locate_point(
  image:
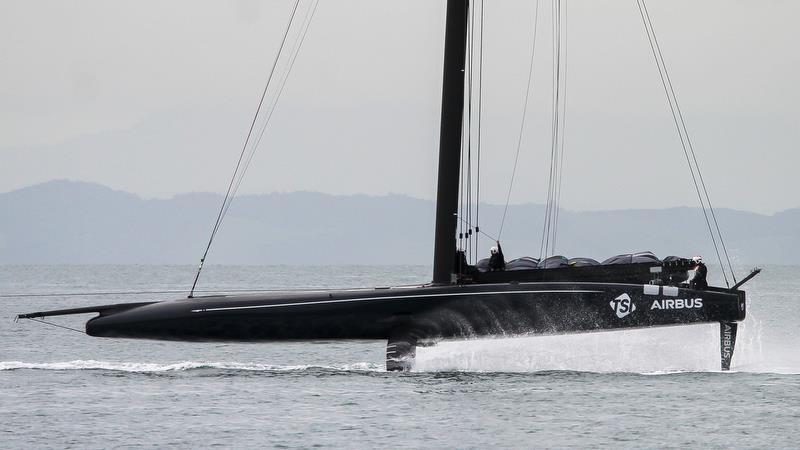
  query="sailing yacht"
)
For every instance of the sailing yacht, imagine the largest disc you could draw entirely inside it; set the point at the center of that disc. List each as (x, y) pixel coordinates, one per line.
(548, 296)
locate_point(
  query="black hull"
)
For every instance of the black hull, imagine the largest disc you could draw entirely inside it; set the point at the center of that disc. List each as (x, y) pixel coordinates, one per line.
(406, 315)
(427, 312)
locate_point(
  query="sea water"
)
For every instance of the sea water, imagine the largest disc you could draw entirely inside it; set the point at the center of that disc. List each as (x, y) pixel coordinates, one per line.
(637, 388)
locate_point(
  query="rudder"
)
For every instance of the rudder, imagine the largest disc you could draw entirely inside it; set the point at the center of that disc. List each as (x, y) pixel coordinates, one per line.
(727, 341)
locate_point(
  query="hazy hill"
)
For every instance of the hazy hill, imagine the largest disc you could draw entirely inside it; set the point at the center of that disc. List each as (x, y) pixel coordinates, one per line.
(74, 222)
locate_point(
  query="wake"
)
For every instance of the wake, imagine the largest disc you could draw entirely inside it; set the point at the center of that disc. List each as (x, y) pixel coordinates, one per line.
(184, 366)
(454, 364)
(653, 351)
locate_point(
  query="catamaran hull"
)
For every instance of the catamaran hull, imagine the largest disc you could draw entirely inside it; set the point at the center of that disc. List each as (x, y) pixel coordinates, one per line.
(407, 315)
(425, 312)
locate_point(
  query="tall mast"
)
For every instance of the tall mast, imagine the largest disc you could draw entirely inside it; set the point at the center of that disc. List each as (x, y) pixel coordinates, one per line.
(455, 53)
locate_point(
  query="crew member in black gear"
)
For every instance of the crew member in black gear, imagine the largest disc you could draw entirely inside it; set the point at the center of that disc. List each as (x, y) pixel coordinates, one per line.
(496, 260)
(700, 273)
(462, 267)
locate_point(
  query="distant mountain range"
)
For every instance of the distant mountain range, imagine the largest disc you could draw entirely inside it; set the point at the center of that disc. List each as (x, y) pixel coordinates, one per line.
(74, 222)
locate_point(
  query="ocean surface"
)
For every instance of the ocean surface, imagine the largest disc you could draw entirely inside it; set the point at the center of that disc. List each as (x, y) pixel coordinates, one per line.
(644, 388)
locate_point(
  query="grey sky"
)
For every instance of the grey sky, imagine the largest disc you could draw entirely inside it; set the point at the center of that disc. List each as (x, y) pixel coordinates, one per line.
(155, 98)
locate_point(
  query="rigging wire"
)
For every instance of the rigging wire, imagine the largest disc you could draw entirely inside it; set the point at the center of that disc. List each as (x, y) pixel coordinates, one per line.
(54, 325)
(553, 129)
(298, 43)
(240, 169)
(462, 177)
(560, 175)
(689, 142)
(469, 164)
(471, 57)
(88, 294)
(524, 116)
(468, 129)
(475, 86)
(547, 226)
(485, 234)
(134, 293)
(681, 129)
(461, 195)
(478, 149)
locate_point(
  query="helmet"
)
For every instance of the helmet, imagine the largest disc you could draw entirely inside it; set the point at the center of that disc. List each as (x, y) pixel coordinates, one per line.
(697, 258)
(493, 250)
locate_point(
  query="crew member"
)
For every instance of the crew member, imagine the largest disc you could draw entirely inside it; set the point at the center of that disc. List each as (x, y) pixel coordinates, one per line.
(496, 260)
(462, 267)
(700, 273)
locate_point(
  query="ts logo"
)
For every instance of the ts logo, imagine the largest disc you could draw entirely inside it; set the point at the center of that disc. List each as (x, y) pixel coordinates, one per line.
(623, 305)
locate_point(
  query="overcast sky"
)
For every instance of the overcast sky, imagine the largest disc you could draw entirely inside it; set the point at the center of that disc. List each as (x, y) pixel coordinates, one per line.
(155, 98)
